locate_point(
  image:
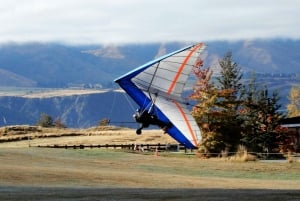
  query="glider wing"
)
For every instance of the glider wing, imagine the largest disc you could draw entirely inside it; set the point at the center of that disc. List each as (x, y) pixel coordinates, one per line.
(161, 82)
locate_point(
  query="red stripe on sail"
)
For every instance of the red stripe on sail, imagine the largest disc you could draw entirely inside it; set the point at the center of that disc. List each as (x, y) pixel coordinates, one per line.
(182, 67)
(187, 123)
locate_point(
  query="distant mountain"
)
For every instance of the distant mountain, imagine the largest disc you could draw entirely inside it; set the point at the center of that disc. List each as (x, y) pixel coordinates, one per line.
(57, 65)
(14, 80)
(36, 65)
(263, 56)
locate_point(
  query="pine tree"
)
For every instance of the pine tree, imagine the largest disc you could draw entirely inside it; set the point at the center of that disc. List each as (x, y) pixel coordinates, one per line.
(228, 103)
(250, 125)
(261, 131)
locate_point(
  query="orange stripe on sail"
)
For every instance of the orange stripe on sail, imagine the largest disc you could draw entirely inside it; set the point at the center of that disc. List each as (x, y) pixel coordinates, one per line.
(182, 67)
(187, 123)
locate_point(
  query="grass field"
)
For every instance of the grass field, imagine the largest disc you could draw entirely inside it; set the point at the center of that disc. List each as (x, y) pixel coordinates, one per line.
(32, 173)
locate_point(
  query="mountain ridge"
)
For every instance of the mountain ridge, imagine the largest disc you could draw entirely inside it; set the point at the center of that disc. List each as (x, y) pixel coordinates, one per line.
(57, 65)
(41, 67)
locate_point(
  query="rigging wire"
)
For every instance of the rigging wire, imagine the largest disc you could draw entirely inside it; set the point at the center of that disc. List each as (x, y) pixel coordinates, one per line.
(113, 105)
(152, 103)
(130, 103)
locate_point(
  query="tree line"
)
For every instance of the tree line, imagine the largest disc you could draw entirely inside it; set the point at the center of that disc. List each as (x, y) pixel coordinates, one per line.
(231, 113)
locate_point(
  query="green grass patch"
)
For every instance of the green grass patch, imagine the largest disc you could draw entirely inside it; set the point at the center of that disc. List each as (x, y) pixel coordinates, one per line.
(166, 163)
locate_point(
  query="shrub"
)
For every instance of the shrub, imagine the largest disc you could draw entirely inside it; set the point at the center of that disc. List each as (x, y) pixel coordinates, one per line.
(45, 120)
(59, 124)
(243, 155)
(104, 122)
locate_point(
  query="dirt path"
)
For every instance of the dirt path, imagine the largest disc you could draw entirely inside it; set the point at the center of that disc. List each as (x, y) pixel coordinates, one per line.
(141, 194)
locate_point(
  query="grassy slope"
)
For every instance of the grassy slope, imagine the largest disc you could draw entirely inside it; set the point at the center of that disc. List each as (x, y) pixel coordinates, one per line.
(108, 168)
(73, 174)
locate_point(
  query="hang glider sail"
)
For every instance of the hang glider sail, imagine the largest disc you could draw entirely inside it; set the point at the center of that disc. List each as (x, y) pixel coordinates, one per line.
(157, 88)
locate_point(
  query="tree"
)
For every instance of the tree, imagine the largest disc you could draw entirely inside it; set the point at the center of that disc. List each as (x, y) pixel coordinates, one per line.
(59, 124)
(294, 106)
(45, 120)
(261, 131)
(231, 113)
(205, 94)
(228, 103)
(250, 125)
(217, 108)
(269, 121)
(104, 122)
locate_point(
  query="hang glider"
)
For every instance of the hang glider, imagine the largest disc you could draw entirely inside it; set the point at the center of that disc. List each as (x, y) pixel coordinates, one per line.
(157, 88)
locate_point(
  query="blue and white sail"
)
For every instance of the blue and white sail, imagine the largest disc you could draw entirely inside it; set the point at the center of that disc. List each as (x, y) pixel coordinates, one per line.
(161, 82)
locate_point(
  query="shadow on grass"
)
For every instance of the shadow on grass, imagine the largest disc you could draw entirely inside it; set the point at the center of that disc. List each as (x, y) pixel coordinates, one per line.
(11, 193)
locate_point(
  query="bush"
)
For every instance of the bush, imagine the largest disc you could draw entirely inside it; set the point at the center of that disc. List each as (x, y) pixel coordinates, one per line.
(104, 122)
(45, 121)
(59, 124)
(243, 155)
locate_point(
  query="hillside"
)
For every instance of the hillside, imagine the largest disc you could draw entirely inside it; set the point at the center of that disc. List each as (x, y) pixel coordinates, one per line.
(67, 82)
(262, 56)
(25, 135)
(57, 65)
(75, 108)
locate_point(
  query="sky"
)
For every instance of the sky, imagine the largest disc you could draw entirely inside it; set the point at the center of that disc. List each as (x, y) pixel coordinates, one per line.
(144, 21)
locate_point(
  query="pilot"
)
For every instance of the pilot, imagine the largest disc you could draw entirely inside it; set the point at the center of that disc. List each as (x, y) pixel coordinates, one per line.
(147, 119)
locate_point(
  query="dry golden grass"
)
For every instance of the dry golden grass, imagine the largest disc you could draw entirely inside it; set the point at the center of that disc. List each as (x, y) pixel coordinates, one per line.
(22, 136)
(242, 155)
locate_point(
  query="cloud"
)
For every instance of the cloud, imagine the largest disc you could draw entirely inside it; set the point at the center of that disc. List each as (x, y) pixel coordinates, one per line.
(127, 21)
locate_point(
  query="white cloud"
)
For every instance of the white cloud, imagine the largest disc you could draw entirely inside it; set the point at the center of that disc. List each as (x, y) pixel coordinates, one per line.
(124, 21)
